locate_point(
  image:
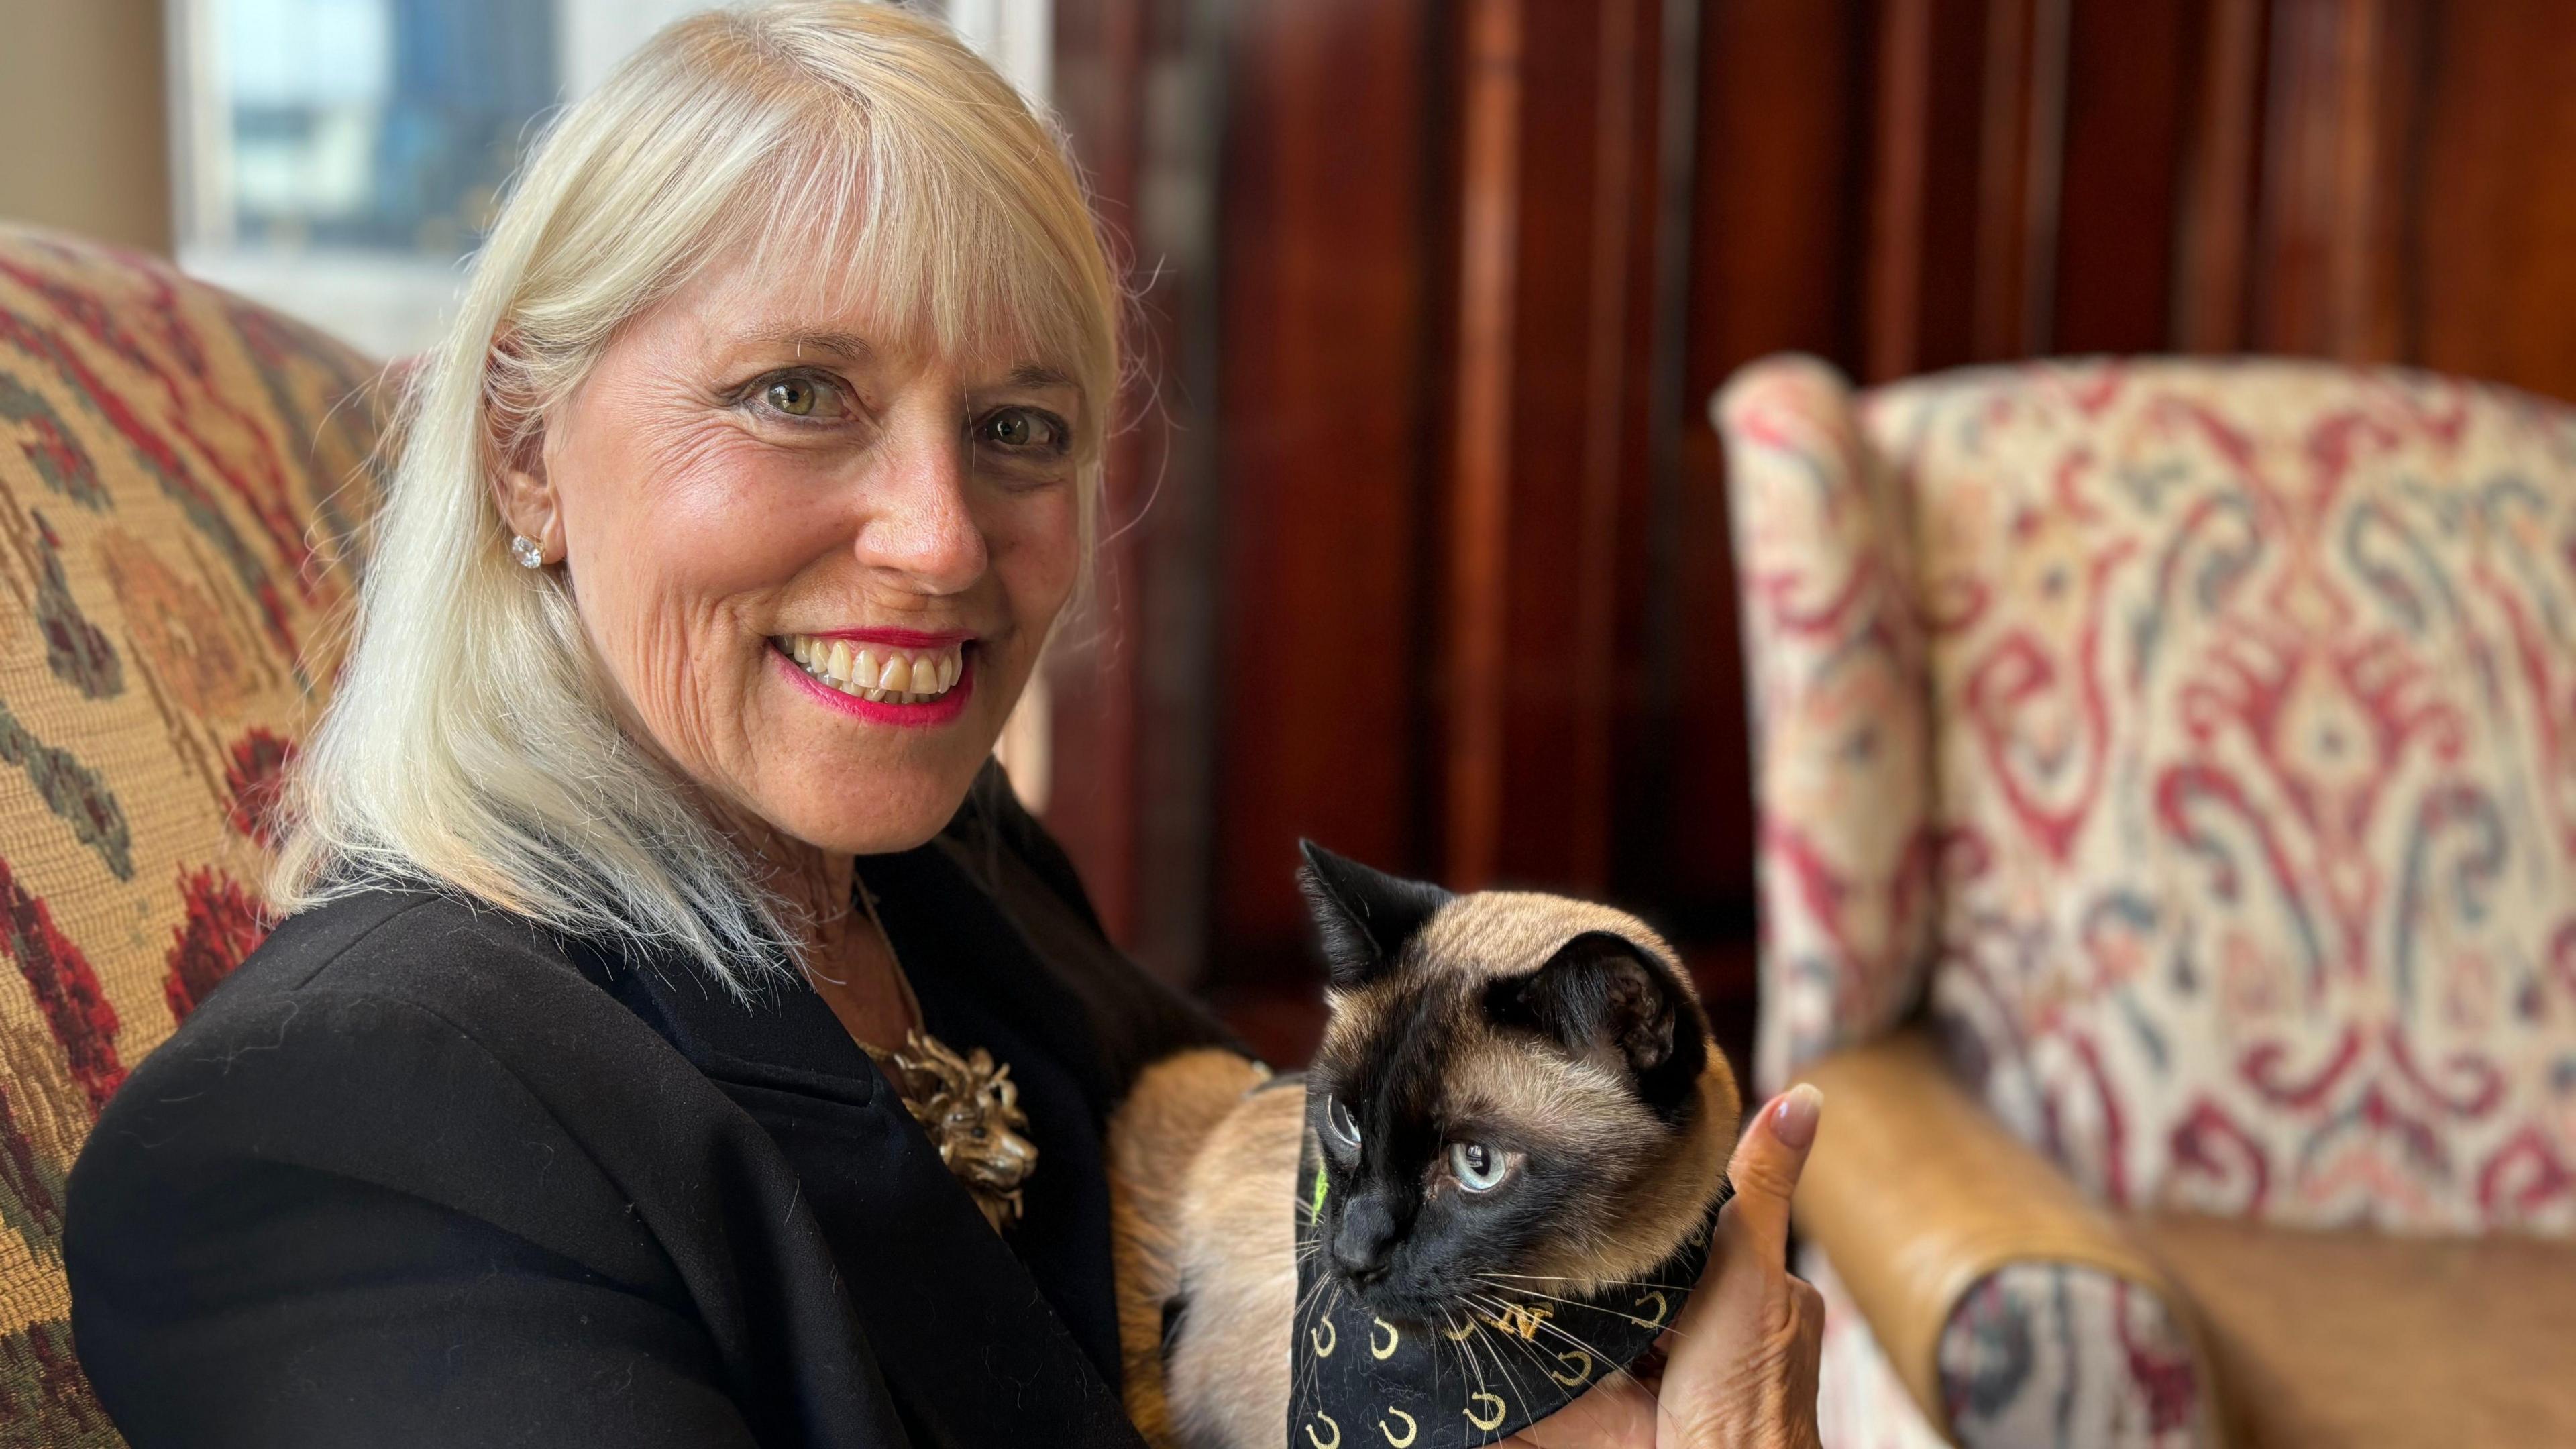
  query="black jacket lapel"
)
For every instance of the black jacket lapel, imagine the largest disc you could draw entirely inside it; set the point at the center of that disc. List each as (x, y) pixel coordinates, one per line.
(967, 1342)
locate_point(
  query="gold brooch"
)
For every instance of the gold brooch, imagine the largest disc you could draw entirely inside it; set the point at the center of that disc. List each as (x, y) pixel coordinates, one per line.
(970, 1108)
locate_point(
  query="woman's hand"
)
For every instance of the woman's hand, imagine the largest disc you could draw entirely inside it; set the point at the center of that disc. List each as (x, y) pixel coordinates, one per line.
(1740, 1362)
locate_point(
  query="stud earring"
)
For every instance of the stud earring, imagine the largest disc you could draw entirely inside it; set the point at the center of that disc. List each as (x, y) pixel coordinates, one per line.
(525, 550)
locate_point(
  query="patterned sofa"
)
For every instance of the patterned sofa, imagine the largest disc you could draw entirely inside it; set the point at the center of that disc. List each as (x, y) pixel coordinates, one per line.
(2167, 776)
(182, 475)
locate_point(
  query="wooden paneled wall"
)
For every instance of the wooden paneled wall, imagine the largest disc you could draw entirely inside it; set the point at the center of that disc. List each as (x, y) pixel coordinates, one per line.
(1448, 507)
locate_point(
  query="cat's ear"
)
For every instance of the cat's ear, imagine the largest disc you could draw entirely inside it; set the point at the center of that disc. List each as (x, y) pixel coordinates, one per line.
(1604, 997)
(1363, 916)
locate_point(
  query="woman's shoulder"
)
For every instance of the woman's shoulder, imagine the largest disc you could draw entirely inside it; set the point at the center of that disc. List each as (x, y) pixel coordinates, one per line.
(381, 1003)
(404, 940)
(397, 1088)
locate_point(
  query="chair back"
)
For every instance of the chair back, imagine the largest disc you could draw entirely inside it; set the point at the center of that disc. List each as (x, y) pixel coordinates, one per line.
(2199, 738)
(182, 480)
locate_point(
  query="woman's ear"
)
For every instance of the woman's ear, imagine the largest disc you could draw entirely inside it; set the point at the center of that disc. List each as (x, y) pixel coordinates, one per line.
(516, 438)
(526, 499)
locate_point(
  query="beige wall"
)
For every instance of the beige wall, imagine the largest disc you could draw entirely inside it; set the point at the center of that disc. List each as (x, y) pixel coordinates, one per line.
(84, 128)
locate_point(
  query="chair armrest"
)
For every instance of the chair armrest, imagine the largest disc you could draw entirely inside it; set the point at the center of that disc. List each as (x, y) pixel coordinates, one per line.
(1929, 1211)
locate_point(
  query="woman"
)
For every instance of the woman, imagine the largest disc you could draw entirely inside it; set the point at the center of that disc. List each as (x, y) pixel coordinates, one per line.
(650, 854)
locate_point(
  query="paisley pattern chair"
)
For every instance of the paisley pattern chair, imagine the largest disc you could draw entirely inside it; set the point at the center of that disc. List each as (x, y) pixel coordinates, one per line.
(183, 478)
(2167, 774)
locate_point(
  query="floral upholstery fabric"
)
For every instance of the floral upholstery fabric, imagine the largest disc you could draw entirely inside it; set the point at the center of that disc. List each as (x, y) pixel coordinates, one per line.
(2249, 696)
(1861, 1401)
(2019, 1367)
(1834, 680)
(2256, 768)
(2241, 872)
(2015, 1365)
(181, 477)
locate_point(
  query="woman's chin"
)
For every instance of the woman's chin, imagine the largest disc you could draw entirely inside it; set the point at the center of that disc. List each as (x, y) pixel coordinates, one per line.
(884, 814)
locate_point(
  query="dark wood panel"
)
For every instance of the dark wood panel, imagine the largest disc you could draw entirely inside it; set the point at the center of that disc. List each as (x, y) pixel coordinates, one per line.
(2490, 258)
(1776, 246)
(1093, 800)
(2217, 190)
(1477, 516)
(2338, 108)
(1929, 119)
(1132, 688)
(2130, 72)
(1577, 383)
(1323, 412)
(1477, 266)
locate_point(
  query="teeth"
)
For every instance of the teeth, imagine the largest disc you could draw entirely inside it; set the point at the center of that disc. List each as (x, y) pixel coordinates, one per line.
(888, 677)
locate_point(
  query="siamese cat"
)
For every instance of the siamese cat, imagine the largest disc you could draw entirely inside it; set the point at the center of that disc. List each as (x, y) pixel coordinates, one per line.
(1513, 1088)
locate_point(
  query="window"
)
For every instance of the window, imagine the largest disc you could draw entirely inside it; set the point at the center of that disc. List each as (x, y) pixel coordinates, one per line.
(337, 159)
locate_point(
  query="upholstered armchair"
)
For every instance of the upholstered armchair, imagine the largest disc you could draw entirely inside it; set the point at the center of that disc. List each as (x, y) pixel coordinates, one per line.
(2167, 777)
(182, 481)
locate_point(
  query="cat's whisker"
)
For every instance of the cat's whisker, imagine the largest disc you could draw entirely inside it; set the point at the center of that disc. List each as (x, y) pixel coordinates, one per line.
(1644, 1283)
(1578, 1303)
(1500, 1365)
(1537, 1360)
(1617, 1370)
(1597, 1356)
(1666, 1325)
(1497, 1354)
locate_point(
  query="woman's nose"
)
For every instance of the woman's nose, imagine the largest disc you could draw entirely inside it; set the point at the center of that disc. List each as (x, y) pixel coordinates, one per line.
(920, 520)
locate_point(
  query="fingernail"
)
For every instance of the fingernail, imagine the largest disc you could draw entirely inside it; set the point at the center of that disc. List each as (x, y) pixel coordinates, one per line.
(1793, 1119)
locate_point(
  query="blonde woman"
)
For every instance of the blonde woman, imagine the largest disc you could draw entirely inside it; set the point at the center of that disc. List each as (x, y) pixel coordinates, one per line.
(649, 876)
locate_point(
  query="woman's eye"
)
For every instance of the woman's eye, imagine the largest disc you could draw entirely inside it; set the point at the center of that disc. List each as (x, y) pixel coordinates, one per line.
(1023, 429)
(809, 398)
(1344, 1125)
(1478, 1167)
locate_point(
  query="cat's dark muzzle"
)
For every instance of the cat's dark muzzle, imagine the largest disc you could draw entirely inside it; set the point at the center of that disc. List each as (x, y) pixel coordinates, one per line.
(1410, 1300)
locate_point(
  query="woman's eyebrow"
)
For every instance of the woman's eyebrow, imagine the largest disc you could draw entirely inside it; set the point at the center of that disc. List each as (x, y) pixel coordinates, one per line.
(848, 346)
(1038, 375)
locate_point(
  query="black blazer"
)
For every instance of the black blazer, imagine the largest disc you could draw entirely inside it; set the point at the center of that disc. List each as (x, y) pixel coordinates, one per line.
(422, 1174)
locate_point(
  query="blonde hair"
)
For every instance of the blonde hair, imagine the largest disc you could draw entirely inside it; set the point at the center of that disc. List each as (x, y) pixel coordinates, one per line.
(471, 742)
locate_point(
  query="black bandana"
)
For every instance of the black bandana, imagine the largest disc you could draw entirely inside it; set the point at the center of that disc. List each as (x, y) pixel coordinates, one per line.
(1360, 1382)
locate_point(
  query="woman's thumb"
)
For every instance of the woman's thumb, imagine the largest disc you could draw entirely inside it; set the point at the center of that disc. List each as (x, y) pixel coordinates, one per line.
(1767, 1163)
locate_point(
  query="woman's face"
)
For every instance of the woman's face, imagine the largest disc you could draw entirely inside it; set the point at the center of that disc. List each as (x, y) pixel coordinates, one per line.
(817, 563)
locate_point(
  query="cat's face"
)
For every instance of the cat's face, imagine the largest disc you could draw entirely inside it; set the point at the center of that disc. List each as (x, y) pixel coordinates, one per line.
(1515, 1099)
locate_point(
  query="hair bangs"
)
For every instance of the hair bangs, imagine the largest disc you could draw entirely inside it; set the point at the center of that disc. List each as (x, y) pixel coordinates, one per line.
(856, 214)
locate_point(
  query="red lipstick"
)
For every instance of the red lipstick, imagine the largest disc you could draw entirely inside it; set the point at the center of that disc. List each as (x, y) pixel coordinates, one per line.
(899, 638)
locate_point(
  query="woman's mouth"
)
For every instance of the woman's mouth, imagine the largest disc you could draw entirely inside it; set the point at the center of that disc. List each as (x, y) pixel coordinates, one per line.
(919, 681)
(877, 672)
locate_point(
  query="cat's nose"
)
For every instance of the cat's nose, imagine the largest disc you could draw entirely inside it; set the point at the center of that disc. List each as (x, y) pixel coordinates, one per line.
(1361, 1243)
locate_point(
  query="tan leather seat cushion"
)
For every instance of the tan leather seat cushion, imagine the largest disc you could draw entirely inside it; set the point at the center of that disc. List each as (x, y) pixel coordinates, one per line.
(2357, 1338)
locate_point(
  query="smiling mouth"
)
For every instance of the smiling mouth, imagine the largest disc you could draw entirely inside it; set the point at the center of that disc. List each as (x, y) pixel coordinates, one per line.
(877, 673)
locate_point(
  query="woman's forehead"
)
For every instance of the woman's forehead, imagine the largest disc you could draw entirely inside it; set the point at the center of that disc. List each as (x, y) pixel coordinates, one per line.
(824, 291)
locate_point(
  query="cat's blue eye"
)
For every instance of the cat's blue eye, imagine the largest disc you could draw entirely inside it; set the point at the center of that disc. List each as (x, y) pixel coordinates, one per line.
(1344, 1126)
(1477, 1167)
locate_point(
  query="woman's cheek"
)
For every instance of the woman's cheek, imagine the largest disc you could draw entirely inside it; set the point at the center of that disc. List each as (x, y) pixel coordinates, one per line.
(1037, 552)
(668, 660)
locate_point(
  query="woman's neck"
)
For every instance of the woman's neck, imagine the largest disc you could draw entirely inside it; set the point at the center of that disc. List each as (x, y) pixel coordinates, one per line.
(847, 958)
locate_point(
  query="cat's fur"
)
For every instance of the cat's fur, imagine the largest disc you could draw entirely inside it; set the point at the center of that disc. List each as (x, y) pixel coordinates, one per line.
(1563, 1033)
